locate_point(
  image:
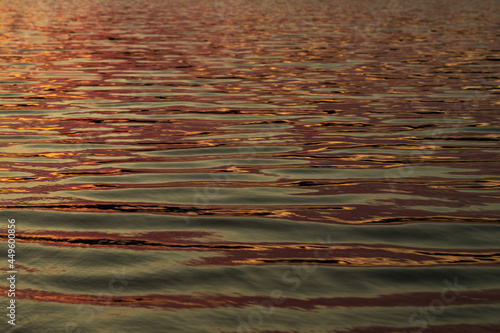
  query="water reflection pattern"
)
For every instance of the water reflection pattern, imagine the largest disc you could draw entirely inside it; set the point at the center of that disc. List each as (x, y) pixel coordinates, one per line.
(241, 166)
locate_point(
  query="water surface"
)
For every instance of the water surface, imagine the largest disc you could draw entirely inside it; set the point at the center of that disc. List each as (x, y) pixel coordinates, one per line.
(251, 166)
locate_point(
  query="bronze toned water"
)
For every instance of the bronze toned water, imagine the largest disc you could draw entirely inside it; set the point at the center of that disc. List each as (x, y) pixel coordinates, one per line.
(250, 166)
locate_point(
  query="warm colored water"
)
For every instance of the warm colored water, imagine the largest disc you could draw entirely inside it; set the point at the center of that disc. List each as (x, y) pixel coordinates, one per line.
(236, 166)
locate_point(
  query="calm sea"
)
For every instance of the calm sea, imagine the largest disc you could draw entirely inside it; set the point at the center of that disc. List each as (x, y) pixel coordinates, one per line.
(250, 166)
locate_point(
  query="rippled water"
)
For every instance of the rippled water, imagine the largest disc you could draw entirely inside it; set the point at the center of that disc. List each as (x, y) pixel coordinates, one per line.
(239, 166)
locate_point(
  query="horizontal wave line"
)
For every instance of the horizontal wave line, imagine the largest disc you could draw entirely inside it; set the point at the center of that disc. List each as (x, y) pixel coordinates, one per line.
(235, 254)
(183, 301)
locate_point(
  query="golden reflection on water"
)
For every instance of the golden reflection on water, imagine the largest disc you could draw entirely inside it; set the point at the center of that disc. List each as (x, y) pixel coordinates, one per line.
(211, 147)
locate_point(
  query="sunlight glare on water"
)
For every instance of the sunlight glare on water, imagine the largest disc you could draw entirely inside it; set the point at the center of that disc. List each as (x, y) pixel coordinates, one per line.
(250, 166)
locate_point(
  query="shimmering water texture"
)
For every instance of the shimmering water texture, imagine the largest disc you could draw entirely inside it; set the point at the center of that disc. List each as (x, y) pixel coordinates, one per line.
(251, 166)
